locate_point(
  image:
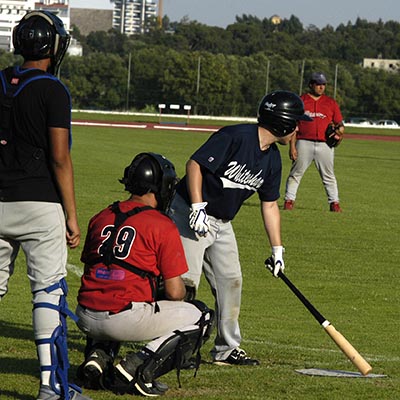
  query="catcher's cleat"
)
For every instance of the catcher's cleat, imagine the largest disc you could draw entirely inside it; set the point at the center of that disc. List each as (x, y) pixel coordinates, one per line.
(150, 389)
(94, 370)
(130, 380)
(335, 207)
(288, 205)
(237, 357)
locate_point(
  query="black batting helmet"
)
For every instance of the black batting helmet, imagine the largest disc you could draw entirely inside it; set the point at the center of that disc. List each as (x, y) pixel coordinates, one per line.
(151, 172)
(39, 35)
(279, 112)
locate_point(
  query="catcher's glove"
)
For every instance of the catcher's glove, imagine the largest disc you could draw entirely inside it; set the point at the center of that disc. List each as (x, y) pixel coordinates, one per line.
(333, 136)
(189, 285)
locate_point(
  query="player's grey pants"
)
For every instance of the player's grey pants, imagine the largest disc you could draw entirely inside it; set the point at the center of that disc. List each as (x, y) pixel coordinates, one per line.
(39, 229)
(140, 323)
(323, 157)
(216, 254)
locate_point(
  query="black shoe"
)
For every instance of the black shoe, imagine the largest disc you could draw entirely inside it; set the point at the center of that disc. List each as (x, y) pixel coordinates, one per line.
(150, 389)
(129, 379)
(95, 370)
(127, 368)
(237, 357)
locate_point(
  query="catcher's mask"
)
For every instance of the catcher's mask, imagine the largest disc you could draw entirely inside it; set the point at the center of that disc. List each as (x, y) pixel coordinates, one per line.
(40, 35)
(151, 173)
(279, 112)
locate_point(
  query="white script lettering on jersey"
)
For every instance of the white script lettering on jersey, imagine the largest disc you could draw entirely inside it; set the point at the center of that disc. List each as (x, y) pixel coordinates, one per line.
(314, 115)
(238, 177)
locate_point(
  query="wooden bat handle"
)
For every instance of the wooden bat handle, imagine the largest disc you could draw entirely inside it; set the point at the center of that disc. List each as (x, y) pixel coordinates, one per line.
(352, 354)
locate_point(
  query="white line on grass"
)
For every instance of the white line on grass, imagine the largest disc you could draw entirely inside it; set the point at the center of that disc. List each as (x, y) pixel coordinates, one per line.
(319, 350)
(180, 128)
(108, 124)
(78, 271)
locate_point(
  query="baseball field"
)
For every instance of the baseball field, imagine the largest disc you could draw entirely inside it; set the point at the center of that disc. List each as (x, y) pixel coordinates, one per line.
(346, 264)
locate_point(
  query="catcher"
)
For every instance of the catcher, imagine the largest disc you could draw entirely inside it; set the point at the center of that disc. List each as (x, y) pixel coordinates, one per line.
(315, 141)
(128, 246)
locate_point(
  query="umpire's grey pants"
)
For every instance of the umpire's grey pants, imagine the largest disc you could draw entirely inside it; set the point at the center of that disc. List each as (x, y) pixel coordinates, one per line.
(217, 255)
(323, 157)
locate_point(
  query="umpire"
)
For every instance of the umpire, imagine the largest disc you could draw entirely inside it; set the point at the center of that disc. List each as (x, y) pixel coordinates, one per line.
(37, 200)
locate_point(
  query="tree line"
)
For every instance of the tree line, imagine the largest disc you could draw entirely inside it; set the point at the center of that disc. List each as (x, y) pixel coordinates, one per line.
(226, 71)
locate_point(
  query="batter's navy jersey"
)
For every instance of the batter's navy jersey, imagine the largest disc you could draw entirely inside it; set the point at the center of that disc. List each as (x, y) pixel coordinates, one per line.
(234, 167)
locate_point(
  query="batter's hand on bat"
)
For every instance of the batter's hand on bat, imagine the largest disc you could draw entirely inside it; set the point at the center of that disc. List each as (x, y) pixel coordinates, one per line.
(277, 260)
(198, 218)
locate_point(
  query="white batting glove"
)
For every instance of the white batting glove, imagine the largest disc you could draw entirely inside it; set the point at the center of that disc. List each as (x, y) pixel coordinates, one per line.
(198, 219)
(277, 258)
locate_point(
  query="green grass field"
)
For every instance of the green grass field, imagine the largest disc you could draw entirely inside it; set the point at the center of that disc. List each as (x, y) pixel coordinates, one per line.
(346, 264)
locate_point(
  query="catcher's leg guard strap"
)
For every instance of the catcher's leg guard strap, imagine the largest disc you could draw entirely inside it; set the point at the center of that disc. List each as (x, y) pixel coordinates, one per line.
(206, 321)
(53, 349)
(174, 352)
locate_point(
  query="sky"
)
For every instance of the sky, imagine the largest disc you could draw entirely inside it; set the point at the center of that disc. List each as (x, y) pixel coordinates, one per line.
(310, 12)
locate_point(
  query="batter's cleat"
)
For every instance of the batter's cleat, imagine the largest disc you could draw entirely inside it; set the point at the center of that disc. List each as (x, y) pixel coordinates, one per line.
(95, 369)
(237, 357)
(335, 207)
(288, 205)
(46, 393)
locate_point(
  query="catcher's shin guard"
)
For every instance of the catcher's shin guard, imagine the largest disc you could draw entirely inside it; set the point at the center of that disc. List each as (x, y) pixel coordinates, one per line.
(173, 353)
(180, 348)
(52, 350)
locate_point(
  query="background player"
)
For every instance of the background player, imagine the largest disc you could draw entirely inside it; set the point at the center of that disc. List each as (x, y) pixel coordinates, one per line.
(310, 143)
(37, 200)
(234, 163)
(128, 245)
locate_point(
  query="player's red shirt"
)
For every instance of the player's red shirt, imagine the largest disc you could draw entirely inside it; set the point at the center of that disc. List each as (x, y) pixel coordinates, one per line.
(148, 240)
(323, 111)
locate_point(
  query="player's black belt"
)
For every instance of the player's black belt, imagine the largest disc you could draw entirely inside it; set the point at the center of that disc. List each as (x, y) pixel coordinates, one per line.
(126, 308)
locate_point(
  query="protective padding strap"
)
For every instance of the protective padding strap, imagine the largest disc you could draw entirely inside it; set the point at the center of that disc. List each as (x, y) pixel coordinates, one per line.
(174, 352)
(58, 343)
(62, 308)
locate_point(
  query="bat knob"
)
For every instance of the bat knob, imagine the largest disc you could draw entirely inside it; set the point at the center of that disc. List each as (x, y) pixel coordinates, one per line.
(269, 264)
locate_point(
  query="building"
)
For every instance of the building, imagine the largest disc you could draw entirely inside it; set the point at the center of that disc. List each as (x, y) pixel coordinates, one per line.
(381, 63)
(91, 20)
(133, 16)
(11, 12)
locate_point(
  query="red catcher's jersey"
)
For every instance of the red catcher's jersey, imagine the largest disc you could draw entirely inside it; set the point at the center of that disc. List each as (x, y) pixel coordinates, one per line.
(323, 111)
(148, 240)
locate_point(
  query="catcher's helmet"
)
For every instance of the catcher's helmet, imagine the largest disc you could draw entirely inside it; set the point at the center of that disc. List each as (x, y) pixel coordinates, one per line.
(39, 35)
(151, 172)
(279, 112)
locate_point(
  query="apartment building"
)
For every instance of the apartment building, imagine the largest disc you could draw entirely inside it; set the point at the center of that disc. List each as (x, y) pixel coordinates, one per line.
(133, 16)
(11, 12)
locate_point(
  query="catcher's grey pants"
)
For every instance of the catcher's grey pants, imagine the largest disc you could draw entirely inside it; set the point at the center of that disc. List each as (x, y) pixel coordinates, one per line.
(39, 229)
(140, 323)
(323, 157)
(217, 255)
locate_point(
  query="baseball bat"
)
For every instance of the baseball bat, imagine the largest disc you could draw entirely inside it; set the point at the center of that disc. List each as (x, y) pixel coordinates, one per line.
(344, 345)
